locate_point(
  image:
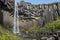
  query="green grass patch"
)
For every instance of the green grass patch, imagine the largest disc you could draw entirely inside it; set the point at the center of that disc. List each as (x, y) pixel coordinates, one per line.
(7, 35)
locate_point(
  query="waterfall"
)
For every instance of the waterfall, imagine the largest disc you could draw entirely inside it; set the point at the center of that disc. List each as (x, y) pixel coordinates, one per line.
(16, 20)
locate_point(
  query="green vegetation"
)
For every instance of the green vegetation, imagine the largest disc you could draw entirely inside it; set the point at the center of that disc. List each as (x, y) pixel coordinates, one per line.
(53, 26)
(7, 35)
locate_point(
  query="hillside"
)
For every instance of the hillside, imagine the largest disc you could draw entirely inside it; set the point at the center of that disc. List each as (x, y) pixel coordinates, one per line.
(7, 35)
(53, 26)
(49, 30)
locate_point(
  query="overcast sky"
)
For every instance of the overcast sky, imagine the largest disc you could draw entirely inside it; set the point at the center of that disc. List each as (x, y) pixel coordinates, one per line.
(39, 1)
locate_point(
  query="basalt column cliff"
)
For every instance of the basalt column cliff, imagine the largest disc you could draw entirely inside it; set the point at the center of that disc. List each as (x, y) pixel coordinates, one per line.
(6, 9)
(30, 15)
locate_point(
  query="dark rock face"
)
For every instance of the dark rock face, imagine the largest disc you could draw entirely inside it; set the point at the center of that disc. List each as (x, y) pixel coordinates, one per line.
(7, 4)
(1, 17)
(6, 9)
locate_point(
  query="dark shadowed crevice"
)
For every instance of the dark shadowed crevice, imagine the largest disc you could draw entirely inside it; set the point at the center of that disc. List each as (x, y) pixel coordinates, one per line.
(57, 9)
(1, 17)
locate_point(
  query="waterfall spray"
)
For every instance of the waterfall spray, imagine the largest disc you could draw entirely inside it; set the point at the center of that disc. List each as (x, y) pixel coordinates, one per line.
(16, 20)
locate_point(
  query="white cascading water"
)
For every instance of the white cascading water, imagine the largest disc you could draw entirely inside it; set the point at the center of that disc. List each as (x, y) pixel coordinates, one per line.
(16, 20)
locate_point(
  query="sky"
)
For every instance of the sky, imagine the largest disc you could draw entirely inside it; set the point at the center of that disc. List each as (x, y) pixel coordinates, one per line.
(39, 1)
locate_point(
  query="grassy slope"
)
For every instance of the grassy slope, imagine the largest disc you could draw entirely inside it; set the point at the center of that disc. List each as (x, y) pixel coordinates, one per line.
(54, 25)
(7, 35)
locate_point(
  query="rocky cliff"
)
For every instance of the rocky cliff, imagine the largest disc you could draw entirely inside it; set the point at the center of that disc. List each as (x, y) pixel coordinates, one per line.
(31, 15)
(38, 15)
(6, 9)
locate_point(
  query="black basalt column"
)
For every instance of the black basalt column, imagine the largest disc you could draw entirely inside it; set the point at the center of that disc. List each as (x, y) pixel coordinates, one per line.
(1, 17)
(58, 7)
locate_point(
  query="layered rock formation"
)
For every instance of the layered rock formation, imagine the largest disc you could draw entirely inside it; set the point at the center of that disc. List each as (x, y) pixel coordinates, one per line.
(31, 15)
(37, 15)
